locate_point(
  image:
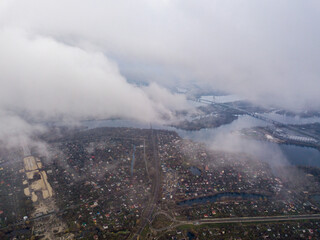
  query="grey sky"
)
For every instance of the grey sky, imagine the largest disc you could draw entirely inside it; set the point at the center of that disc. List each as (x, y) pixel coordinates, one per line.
(61, 57)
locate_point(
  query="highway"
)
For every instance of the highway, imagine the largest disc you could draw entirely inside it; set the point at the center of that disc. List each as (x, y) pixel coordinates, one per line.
(237, 220)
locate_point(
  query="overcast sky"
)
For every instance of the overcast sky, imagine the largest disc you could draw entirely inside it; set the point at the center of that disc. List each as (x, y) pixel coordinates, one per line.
(75, 57)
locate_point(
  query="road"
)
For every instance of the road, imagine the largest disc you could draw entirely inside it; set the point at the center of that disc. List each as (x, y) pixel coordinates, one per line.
(238, 220)
(147, 214)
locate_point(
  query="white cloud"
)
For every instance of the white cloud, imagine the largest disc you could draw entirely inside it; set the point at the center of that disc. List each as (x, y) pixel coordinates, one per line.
(47, 80)
(42, 76)
(61, 58)
(265, 50)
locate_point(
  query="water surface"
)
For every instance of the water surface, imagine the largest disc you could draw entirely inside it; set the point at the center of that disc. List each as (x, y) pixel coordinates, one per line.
(221, 196)
(295, 155)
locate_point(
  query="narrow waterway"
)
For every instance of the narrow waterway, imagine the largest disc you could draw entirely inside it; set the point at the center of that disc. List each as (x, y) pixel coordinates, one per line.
(221, 197)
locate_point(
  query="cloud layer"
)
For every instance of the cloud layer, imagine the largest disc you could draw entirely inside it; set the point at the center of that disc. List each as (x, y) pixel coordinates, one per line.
(72, 59)
(267, 51)
(44, 77)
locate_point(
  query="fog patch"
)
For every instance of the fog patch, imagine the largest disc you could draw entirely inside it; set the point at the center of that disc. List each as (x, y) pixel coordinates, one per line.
(234, 142)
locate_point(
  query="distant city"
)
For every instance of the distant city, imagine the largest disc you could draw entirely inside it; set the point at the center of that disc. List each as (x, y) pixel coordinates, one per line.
(147, 182)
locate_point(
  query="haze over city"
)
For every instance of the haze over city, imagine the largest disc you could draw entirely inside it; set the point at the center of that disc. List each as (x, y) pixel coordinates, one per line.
(161, 104)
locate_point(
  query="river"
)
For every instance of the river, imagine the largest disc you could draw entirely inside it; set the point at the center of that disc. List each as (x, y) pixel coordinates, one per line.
(295, 155)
